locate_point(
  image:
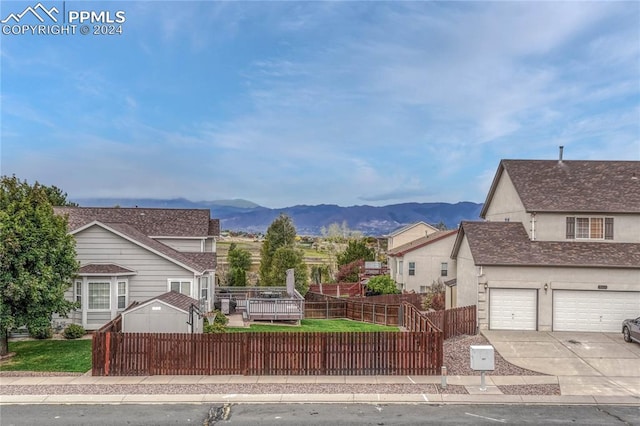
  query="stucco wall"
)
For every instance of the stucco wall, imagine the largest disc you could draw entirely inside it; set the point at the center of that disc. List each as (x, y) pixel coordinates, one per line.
(419, 230)
(506, 204)
(557, 279)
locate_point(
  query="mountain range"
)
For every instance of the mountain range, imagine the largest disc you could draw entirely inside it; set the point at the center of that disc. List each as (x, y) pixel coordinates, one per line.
(243, 215)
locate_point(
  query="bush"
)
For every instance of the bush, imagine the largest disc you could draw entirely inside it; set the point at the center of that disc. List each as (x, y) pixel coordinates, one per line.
(219, 324)
(40, 329)
(73, 331)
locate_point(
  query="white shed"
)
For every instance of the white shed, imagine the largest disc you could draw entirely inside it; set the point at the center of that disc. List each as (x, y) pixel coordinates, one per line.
(170, 312)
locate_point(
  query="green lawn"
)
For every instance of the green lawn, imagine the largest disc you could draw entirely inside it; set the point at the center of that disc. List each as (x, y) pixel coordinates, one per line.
(49, 355)
(318, 325)
(75, 355)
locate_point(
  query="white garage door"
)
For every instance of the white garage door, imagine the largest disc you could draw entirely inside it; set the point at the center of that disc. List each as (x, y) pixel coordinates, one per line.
(593, 310)
(512, 309)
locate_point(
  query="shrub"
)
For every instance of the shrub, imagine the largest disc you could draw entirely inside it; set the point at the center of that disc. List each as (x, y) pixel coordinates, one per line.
(73, 331)
(219, 324)
(40, 329)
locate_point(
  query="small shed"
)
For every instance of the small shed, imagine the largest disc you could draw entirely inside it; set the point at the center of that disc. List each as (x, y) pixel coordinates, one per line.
(170, 312)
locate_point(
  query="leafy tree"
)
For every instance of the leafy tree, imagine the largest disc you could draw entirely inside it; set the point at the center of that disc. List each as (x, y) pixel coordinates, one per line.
(349, 273)
(239, 264)
(356, 250)
(281, 233)
(239, 258)
(337, 232)
(37, 258)
(286, 258)
(320, 273)
(435, 297)
(57, 197)
(382, 284)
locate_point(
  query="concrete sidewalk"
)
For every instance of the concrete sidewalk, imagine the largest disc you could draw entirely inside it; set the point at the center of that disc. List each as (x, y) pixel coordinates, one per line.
(491, 395)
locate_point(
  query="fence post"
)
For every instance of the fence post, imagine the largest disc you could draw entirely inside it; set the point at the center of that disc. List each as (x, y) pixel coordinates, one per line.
(107, 353)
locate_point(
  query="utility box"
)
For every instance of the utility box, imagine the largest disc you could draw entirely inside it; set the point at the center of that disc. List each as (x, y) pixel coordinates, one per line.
(225, 306)
(482, 358)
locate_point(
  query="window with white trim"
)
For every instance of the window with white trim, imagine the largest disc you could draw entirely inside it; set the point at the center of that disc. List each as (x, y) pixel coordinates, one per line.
(590, 228)
(444, 269)
(181, 286)
(122, 294)
(400, 266)
(204, 287)
(99, 295)
(78, 293)
(412, 268)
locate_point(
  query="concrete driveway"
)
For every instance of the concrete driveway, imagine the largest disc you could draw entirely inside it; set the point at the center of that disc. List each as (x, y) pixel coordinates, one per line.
(585, 363)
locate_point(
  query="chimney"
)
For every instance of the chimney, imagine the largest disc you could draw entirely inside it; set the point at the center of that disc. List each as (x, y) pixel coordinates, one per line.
(561, 149)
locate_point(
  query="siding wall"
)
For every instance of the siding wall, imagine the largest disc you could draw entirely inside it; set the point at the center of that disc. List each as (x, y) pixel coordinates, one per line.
(428, 260)
(97, 245)
(506, 204)
(468, 288)
(552, 227)
(182, 244)
(411, 234)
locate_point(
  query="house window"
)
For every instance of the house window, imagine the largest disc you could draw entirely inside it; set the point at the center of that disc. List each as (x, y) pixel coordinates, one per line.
(400, 266)
(204, 288)
(423, 288)
(444, 269)
(593, 228)
(99, 295)
(412, 268)
(181, 286)
(122, 294)
(78, 291)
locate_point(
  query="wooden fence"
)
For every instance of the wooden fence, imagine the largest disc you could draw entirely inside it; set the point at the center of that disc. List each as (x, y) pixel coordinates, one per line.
(455, 322)
(295, 353)
(415, 321)
(338, 289)
(415, 299)
(326, 307)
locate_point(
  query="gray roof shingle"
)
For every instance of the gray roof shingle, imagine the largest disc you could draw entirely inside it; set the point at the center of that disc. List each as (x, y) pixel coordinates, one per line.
(573, 186)
(152, 222)
(104, 268)
(173, 298)
(507, 244)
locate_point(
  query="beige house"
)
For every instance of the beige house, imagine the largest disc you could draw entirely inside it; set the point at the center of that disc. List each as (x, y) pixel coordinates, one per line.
(416, 265)
(409, 233)
(135, 254)
(560, 248)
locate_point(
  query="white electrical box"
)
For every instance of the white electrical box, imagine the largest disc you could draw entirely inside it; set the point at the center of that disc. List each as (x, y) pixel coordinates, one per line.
(482, 358)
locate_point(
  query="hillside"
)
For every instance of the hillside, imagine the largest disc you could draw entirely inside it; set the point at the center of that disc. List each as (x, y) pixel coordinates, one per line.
(242, 215)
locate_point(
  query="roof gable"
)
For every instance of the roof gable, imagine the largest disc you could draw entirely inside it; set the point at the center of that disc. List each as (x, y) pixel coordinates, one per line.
(198, 262)
(420, 242)
(409, 226)
(172, 298)
(572, 186)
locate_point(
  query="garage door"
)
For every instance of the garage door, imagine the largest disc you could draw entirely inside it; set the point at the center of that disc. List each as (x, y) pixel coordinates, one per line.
(512, 309)
(593, 310)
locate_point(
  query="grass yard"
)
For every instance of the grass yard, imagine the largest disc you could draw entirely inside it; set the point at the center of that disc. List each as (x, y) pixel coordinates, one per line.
(49, 355)
(318, 325)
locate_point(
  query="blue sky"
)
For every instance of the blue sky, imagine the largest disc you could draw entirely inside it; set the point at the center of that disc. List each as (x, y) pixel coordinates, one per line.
(345, 103)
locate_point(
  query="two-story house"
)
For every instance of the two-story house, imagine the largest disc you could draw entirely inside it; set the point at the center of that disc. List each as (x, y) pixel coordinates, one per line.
(559, 250)
(135, 254)
(417, 264)
(400, 237)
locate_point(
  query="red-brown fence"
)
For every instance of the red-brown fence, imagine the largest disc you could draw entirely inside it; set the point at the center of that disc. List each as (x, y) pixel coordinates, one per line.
(379, 353)
(415, 321)
(323, 306)
(455, 322)
(396, 299)
(338, 289)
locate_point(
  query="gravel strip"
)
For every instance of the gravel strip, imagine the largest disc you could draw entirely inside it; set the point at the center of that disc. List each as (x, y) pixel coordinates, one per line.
(253, 388)
(457, 359)
(530, 389)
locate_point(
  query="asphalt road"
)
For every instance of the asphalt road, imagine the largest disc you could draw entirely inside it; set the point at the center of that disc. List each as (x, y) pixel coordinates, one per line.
(315, 414)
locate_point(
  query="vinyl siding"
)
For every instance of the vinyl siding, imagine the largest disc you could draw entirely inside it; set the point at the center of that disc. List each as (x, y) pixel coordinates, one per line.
(180, 244)
(97, 245)
(552, 226)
